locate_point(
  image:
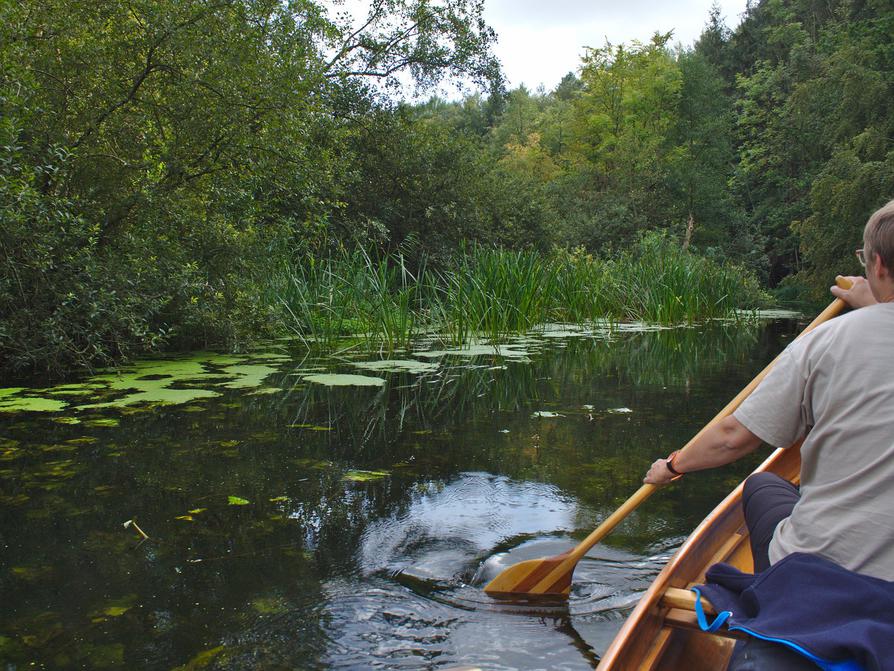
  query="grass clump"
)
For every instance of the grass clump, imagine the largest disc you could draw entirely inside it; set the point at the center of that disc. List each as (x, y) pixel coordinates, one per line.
(492, 293)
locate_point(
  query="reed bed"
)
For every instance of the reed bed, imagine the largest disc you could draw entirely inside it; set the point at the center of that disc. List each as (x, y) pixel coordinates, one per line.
(493, 293)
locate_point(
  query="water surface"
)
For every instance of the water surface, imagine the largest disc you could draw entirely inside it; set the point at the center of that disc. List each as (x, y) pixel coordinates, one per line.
(294, 523)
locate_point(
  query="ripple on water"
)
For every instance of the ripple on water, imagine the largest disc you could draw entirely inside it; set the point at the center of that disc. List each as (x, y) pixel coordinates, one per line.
(384, 626)
(430, 563)
(466, 517)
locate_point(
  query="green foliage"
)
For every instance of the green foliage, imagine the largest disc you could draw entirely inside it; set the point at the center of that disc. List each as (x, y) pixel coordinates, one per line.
(660, 282)
(814, 129)
(491, 293)
(161, 162)
(155, 155)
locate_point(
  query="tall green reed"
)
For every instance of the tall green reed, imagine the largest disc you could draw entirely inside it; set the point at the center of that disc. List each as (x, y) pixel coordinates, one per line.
(491, 293)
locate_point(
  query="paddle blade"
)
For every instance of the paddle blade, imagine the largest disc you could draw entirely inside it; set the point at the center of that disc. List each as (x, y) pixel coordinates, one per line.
(549, 577)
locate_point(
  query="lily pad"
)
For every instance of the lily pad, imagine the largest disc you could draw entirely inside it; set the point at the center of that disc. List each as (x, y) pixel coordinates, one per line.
(264, 391)
(546, 413)
(105, 421)
(563, 331)
(66, 420)
(344, 380)
(773, 314)
(247, 375)
(10, 391)
(236, 501)
(152, 382)
(202, 660)
(156, 394)
(365, 476)
(398, 366)
(508, 351)
(640, 327)
(12, 403)
(269, 605)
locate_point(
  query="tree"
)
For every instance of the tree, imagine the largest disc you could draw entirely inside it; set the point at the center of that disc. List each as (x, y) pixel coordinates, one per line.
(702, 164)
(159, 156)
(623, 117)
(429, 38)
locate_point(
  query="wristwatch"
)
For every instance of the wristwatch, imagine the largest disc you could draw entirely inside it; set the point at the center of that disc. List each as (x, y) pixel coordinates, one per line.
(669, 462)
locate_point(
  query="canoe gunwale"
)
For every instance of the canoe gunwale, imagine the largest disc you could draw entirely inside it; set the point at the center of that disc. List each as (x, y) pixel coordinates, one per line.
(644, 639)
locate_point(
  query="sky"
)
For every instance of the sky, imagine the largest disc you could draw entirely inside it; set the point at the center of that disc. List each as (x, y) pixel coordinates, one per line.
(540, 41)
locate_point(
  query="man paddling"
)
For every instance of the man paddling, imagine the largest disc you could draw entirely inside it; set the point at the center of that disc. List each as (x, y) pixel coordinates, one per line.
(836, 387)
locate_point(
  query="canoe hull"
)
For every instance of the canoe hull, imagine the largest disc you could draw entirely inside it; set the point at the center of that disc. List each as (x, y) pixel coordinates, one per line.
(657, 638)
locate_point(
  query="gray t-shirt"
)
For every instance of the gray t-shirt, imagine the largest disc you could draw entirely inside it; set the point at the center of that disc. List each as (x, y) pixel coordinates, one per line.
(836, 384)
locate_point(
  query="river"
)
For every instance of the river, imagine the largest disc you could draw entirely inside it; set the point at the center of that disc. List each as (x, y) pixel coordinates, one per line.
(279, 510)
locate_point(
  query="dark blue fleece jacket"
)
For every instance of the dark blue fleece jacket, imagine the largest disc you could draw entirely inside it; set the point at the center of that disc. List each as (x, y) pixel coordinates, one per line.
(843, 621)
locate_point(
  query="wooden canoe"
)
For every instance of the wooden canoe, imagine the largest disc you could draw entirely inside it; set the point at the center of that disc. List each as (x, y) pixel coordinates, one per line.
(661, 633)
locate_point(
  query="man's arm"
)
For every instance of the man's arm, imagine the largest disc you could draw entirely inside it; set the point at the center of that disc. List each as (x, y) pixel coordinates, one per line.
(723, 443)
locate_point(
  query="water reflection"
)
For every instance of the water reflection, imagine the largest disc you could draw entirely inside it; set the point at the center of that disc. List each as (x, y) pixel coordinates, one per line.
(323, 527)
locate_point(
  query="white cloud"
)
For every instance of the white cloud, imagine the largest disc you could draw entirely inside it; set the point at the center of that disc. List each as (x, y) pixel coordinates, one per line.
(540, 41)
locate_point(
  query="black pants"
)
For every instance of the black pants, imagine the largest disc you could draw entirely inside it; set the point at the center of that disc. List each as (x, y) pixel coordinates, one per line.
(767, 500)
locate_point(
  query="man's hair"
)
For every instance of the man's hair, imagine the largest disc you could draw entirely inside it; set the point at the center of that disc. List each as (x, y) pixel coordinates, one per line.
(879, 234)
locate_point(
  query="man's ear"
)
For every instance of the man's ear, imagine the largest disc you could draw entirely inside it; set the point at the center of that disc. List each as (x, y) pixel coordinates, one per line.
(879, 268)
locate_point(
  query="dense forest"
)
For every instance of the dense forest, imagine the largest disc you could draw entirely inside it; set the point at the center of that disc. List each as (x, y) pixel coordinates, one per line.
(164, 164)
